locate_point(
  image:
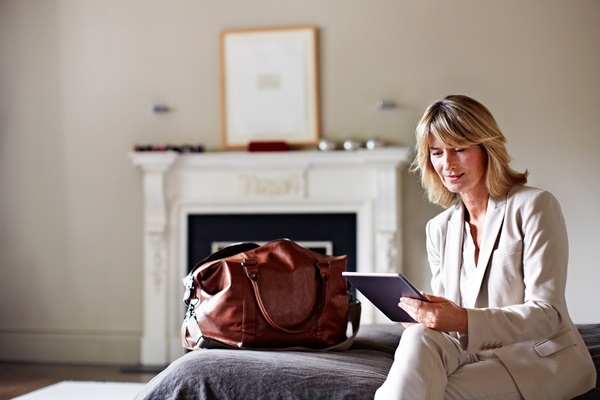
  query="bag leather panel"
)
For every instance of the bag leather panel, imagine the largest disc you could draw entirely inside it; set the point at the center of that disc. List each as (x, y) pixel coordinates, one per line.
(289, 287)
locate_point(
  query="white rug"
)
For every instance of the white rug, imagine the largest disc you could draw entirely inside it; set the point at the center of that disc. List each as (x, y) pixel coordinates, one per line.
(71, 390)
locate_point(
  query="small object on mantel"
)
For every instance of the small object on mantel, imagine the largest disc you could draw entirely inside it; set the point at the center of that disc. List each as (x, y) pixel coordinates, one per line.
(374, 143)
(351, 145)
(184, 148)
(327, 145)
(268, 146)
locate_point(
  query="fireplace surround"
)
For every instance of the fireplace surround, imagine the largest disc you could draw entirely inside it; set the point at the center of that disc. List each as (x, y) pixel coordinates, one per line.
(177, 186)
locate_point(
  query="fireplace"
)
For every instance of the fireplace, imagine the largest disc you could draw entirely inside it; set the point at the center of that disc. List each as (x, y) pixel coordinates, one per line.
(327, 233)
(345, 202)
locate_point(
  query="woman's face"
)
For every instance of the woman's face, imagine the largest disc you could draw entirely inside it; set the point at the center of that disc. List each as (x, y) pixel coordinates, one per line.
(461, 170)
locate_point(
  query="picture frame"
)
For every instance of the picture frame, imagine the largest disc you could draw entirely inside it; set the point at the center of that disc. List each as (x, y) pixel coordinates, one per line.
(269, 86)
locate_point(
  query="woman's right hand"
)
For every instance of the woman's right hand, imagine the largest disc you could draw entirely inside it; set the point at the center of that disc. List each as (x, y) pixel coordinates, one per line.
(438, 313)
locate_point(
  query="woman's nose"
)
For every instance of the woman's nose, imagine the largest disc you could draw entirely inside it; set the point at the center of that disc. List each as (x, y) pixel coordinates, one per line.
(448, 160)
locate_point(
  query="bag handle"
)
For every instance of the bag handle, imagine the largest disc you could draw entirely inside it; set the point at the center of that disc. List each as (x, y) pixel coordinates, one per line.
(251, 268)
(225, 252)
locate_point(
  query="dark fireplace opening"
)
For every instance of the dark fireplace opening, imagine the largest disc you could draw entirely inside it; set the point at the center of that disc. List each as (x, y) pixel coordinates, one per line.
(338, 229)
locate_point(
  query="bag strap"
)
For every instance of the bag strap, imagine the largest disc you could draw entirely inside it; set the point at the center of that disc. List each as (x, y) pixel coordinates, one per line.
(354, 311)
(251, 269)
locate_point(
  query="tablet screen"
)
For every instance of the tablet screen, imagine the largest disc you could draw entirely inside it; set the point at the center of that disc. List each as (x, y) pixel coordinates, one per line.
(384, 291)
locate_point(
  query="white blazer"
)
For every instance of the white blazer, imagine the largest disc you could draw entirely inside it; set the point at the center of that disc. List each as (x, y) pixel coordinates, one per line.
(520, 309)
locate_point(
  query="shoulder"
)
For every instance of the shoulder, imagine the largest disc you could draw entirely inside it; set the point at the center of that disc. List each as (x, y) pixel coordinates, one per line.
(440, 221)
(524, 191)
(524, 196)
(448, 213)
(532, 207)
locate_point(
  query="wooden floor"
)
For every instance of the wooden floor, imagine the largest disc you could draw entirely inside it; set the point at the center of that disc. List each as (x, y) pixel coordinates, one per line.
(17, 379)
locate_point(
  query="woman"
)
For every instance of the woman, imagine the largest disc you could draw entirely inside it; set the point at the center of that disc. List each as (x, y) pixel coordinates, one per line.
(497, 325)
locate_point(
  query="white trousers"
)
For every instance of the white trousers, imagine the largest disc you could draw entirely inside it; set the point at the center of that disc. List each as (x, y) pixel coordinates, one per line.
(431, 365)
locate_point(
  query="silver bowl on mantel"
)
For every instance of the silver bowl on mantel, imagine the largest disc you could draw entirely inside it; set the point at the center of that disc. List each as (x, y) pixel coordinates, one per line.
(327, 145)
(351, 145)
(374, 143)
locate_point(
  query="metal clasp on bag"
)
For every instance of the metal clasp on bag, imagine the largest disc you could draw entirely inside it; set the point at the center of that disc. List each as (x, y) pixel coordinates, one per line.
(202, 342)
(324, 269)
(251, 269)
(189, 286)
(191, 309)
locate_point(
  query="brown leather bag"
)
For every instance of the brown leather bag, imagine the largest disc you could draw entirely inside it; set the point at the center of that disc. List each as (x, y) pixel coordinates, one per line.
(279, 295)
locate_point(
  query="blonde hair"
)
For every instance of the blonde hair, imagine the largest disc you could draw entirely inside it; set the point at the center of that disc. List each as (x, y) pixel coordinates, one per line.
(458, 122)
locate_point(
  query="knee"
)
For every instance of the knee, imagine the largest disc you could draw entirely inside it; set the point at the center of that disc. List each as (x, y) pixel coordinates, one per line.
(420, 335)
(417, 331)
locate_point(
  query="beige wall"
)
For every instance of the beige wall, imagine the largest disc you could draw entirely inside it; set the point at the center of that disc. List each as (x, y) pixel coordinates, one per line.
(78, 77)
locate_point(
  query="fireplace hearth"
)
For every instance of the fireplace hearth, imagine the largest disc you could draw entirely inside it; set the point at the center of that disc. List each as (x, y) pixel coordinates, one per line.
(349, 199)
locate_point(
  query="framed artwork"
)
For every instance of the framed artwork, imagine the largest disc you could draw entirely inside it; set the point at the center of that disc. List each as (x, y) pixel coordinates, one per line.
(269, 86)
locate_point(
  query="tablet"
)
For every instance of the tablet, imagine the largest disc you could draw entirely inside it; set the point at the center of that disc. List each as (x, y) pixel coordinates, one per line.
(384, 291)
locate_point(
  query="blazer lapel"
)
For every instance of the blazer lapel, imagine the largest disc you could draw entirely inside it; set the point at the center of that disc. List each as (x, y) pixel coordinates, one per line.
(493, 223)
(453, 253)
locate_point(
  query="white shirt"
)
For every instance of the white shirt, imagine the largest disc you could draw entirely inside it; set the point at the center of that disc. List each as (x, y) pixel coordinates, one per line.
(468, 269)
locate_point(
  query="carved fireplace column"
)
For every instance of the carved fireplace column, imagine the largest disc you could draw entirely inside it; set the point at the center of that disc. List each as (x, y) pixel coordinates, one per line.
(154, 347)
(388, 236)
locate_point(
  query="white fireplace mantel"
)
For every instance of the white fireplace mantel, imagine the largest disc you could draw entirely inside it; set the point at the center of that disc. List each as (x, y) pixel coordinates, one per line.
(365, 182)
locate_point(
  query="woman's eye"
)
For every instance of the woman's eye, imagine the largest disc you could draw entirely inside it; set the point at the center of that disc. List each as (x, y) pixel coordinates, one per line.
(459, 150)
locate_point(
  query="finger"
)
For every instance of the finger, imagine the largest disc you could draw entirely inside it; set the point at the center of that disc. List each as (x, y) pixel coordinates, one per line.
(410, 310)
(410, 301)
(434, 299)
(405, 306)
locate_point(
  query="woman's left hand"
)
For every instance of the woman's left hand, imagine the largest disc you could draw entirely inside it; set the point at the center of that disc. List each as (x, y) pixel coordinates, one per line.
(439, 313)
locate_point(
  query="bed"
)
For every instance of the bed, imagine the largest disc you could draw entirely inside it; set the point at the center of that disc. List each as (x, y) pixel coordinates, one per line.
(252, 374)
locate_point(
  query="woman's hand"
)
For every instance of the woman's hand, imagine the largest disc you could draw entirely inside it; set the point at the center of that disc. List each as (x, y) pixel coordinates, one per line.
(440, 313)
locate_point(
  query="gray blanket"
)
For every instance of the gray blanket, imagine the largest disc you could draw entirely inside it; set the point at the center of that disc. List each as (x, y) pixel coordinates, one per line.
(291, 375)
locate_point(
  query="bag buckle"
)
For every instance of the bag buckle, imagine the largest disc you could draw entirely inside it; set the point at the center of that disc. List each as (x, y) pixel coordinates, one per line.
(324, 269)
(202, 342)
(251, 269)
(191, 307)
(188, 282)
